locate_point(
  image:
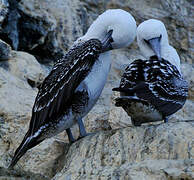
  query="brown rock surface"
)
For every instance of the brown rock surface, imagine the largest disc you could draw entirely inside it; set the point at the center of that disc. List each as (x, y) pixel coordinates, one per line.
(162, 151)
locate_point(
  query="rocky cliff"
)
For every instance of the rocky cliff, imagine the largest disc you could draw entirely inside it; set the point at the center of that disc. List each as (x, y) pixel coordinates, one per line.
(33, 35)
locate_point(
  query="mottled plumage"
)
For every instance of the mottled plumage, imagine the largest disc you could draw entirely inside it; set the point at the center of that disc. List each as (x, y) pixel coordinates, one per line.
(151, 90)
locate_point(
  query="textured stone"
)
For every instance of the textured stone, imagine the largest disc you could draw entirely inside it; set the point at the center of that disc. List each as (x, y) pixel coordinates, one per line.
(9, 28)
(149, 152)
(16, 94)
(147, 170)
(188, 74)
(5, 50)
(3, 10)
(43, 28)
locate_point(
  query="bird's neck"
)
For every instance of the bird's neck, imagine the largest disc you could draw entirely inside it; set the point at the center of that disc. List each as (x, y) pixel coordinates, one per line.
(101, 67)
(169, 53)
(97, 78)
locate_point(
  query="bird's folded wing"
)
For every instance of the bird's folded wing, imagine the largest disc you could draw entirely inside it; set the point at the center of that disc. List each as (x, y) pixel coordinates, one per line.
(162, 100)
(80, 101)
(56, 92)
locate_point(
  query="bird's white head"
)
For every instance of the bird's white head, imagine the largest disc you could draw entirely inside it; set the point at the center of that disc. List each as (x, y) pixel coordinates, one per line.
(152, 39)
(118, 24)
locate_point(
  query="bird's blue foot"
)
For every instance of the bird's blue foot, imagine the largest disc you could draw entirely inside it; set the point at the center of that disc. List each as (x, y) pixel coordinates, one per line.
(82, 129)
(70, 135)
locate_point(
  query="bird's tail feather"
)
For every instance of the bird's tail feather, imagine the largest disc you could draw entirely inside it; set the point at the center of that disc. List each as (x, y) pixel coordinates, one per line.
(120, 89)
(120, 101)
(27, 143)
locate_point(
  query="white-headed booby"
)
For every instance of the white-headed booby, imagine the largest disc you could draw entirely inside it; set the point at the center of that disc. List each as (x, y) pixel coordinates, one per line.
(76, 81)
(152, 90)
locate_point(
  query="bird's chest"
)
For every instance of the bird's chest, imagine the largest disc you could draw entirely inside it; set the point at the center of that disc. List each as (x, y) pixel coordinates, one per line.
(94, 83)
(96, 79)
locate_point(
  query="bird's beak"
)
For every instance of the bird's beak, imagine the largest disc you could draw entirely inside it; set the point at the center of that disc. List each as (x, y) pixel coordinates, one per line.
(106, 42)
(154, 43)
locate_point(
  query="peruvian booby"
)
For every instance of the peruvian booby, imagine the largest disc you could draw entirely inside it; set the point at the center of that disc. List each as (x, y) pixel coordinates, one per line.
(76, 81)
(153, 89)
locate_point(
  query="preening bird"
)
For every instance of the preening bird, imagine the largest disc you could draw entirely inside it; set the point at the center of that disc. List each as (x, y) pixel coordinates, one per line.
(152, 89)
(76, 81)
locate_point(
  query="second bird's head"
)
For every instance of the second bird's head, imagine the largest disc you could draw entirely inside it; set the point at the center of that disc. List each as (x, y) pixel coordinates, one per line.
(115, 28)
(151, 38)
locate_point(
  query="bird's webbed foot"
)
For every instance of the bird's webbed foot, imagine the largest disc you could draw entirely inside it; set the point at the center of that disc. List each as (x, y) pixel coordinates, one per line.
(82, 129)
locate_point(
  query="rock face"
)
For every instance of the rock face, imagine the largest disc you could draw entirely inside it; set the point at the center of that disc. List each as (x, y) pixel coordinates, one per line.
(149, 152)
(5, 51)
(45, 30)
(3, 10)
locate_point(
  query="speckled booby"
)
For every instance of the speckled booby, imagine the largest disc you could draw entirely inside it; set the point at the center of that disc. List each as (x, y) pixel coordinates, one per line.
(76, 81)
(153, 89)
